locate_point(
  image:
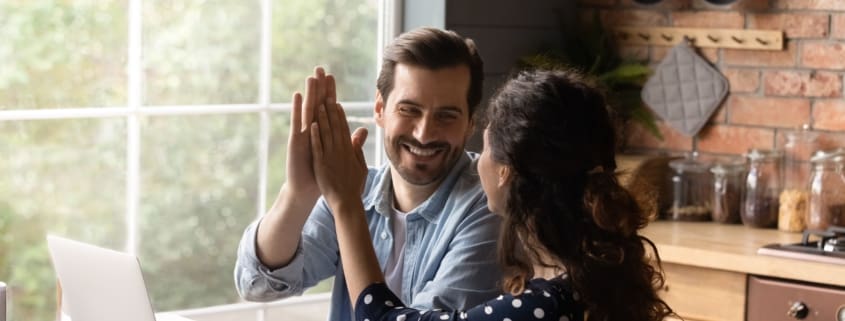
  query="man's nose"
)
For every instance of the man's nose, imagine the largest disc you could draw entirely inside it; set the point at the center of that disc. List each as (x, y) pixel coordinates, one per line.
(424, 130)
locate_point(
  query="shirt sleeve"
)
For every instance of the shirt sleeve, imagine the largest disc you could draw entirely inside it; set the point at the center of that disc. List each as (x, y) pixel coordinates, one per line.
(316, 259)
(549, 301)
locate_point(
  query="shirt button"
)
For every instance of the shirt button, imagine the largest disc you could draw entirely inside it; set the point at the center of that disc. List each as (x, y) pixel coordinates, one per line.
(383, 235)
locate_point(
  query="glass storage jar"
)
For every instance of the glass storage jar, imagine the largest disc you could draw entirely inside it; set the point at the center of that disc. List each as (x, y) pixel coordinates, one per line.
(728, 180)
(827, 190)
(798, 147)
(762, 188)
(690, 186)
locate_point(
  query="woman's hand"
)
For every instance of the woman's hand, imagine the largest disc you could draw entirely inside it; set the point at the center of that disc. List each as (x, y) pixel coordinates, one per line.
(339, 165)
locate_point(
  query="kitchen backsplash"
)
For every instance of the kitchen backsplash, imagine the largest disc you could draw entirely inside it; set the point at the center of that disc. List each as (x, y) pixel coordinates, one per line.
(770, 91)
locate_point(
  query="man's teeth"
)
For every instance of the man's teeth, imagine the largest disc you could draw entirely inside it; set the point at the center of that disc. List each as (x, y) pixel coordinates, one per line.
(422, 151)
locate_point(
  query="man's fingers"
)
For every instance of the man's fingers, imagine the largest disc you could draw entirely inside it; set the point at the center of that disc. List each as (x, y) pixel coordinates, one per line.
(308, 109)
(331, 90)
(296, 114)
(320, 74)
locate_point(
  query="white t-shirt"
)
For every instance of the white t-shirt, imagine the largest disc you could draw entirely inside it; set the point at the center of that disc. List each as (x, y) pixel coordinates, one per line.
(396, 260)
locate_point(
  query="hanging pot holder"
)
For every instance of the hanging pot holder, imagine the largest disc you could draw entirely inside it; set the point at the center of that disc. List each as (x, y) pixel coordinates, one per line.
(685, 90)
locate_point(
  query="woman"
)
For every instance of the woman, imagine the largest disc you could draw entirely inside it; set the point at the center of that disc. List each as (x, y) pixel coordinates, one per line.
(548, 168)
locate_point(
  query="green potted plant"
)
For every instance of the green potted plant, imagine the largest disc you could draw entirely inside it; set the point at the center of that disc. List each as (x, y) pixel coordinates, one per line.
(592, 51)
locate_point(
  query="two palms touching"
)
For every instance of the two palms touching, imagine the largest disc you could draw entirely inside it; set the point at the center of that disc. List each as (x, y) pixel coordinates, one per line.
(322, 158)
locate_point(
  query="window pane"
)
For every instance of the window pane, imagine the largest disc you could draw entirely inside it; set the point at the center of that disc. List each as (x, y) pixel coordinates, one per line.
(198, 193)
(65, 177)
(337, 34)
(59, 54)
(201, 51)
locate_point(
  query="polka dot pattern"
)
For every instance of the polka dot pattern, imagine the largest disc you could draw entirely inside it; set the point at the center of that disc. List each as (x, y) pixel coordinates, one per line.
(541, 300)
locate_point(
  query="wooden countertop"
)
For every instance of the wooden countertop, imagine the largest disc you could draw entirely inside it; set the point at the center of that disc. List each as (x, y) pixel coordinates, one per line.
(734, 248)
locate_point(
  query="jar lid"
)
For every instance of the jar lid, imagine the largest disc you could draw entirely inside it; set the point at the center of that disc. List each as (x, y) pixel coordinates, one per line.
(689, 165)
(728, 166)
(763, 154)
(831, 155)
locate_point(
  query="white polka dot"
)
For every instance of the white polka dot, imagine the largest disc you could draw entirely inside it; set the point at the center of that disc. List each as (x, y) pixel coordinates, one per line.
(516, 303)
(546, 294)
(564, 318)
(388, 303)
(444, 316)
(366, 319)
(401, 317)
(500, 297)
(528, 291)
(368, 299)
(576, 296)
(398, 308)
(506, 319)
(488, 310)
(539, 313)
(463, 315)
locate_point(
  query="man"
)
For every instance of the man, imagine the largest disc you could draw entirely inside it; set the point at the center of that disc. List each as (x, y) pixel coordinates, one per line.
(433, 234)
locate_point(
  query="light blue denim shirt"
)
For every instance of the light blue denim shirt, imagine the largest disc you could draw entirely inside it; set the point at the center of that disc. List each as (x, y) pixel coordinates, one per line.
(450, 248)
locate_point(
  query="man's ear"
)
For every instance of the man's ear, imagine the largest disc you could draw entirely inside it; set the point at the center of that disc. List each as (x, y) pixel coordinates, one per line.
(378, 110)
(505, 176)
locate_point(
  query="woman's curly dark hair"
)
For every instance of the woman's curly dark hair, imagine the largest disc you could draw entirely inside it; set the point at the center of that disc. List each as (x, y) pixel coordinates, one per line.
(553, 129)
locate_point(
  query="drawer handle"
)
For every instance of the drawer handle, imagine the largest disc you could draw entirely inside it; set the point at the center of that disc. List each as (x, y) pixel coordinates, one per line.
(798, 310)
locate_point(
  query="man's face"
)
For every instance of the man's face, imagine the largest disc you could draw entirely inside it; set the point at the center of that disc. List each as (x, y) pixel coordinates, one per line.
(426, 121)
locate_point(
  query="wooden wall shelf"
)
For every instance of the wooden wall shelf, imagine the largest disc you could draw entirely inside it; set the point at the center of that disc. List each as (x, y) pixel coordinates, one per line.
(701, 37)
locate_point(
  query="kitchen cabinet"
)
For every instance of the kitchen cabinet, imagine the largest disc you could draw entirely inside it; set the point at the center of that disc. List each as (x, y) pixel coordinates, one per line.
(707, 266)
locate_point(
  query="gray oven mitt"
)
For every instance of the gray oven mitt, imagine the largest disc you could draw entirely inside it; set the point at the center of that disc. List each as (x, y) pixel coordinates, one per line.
(685, 90)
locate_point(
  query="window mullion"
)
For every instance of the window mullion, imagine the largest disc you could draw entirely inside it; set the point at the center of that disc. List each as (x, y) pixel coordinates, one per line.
(133, 146)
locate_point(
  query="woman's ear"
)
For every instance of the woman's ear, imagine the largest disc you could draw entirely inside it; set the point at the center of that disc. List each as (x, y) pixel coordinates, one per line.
(505, 175)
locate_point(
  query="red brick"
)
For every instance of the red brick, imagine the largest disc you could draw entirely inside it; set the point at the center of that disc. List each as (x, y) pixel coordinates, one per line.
(746, 5)
(829, 114)
(710, 54)
(823, 55)
(837, 26)
(793, 25)
(809, 4)
(831, 140)
(806, 84)
(665, 4)
(597, 2)
(721, 114)
(728, 139)
(708, 19)
(762, 58)
(633, 18)
(742, 80)
(771, 112)
(640, 137)
(633, 52)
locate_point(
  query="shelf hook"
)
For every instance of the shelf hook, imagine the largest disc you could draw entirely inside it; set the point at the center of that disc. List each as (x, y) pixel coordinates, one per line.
(667, 37)
(737, 40)
(713, 39)
(761, 41)
(644, 36)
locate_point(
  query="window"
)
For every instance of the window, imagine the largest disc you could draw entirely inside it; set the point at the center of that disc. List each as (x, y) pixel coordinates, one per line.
(159, 127)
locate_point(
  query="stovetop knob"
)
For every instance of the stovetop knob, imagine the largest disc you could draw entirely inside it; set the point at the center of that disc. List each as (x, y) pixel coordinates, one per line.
(798, 310)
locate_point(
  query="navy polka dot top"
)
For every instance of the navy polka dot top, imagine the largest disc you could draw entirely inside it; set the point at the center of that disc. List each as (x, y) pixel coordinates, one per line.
(542, 300)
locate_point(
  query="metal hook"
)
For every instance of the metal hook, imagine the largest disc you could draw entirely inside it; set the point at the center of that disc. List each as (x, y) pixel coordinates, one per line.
(667, 37)
(713, 39)
(737, 39)
(644, 36)
(689, 40)
(761, 41)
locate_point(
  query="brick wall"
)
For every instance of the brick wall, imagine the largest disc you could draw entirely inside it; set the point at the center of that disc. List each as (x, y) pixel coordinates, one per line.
(770, 91)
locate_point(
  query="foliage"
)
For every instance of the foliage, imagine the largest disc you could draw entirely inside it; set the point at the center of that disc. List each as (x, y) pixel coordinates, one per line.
(591, 50)
(199, 174)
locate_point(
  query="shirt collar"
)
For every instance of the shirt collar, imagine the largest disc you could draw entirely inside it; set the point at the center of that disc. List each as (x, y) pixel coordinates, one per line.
(380, 196)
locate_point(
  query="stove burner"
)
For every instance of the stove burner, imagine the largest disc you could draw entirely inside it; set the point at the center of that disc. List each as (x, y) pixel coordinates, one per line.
(816, 245)
(835, 245)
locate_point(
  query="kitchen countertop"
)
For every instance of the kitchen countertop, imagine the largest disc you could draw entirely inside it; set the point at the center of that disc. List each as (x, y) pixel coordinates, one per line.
(734, 248)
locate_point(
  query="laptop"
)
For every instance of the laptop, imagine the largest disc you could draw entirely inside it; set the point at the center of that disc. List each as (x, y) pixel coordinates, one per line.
(99, 284)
